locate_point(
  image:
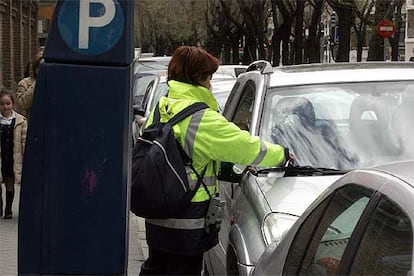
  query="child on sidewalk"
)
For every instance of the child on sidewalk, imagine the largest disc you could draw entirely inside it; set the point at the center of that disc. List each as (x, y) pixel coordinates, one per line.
(13, 129)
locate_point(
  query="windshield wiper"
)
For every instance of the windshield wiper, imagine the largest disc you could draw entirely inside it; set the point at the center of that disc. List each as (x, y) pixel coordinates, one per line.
(294, 170)
(308, 170)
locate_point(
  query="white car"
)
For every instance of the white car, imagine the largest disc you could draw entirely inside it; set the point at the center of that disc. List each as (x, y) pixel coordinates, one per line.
(333, 117)
(151, 63)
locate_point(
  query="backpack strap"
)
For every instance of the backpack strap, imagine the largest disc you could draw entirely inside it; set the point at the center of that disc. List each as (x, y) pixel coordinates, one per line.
(157, 115)
(189, 110)
(200, 180)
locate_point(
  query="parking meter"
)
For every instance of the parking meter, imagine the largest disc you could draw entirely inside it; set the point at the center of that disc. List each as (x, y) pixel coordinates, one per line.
(73, 217)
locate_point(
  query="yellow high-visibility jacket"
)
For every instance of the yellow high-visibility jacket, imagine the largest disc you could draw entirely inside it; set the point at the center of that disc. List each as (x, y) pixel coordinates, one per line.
(208, 138)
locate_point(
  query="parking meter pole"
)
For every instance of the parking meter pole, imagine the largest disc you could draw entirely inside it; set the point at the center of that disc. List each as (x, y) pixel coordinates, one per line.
(73, 217)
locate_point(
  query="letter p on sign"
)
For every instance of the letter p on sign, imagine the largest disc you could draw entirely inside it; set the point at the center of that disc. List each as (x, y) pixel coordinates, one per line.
(91, 27)
(86, 21)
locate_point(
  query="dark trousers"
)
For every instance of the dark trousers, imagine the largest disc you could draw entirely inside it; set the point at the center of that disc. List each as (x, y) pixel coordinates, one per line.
(162, 263)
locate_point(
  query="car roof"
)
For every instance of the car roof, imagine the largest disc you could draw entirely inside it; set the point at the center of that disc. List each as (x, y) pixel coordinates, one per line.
(341, 72)
(402, 170)
(156, 58)
(222, 85)
(159, 73)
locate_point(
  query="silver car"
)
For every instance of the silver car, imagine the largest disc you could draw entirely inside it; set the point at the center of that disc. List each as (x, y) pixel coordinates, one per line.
(361, 225)
(333, 117)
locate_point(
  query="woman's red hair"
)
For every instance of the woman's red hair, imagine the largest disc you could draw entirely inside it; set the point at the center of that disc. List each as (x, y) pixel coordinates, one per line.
(191, 65)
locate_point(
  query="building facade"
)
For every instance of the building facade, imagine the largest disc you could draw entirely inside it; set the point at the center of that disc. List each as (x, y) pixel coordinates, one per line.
(18, 39)
(46, 9)
(409, 30)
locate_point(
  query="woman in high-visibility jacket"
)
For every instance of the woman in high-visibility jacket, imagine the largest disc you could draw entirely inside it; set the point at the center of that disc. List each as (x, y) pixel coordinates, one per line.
(176, 245)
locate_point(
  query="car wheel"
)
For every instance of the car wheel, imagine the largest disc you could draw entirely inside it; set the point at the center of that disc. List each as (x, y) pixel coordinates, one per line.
(231, 263)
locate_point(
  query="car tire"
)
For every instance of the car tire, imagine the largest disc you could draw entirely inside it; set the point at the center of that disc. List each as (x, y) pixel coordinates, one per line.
(231, 264)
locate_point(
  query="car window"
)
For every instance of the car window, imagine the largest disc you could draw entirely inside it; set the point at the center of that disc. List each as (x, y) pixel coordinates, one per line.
(320, 242)
(344, 125)
(386, 246)
(244, 110)
(161, 90)
(141, 84)
(147, 95)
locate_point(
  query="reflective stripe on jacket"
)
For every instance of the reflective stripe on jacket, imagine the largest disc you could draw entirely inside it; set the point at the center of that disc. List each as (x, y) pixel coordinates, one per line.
(206, 137)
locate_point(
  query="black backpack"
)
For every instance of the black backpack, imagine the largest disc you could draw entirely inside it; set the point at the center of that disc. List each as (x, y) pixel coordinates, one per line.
(159, 185)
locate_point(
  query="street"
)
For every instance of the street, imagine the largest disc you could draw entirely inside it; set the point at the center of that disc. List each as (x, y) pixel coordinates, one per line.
(138, 250)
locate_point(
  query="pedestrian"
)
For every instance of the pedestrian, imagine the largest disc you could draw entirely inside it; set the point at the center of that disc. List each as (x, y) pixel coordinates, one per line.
(26, 87)
(13, 129)
(176, 245)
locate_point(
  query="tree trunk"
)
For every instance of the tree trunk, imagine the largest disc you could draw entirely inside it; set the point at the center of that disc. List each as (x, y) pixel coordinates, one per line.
(315, 35)
(250, 47)
(235, 47)
(396, 38)
(361, 42)
(298, 42)
(346, 19)
(226, 54)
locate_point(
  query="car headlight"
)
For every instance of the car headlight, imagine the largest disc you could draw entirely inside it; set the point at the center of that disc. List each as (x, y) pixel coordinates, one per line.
(275, 226)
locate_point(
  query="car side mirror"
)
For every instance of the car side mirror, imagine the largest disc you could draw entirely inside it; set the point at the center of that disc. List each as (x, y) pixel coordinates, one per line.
(138, 111)
(229, 172)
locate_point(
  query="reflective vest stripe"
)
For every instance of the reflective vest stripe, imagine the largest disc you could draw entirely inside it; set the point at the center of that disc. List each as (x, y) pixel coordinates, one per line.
(201, 195)
(192, 131)
(262, 154)
(208, 180)
(186, 224)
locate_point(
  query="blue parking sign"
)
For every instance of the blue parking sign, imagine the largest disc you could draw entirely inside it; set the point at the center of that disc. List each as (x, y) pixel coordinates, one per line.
(74, 204)
(91, 27)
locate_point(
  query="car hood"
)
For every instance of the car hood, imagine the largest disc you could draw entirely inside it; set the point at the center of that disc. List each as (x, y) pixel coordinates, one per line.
(292, 195)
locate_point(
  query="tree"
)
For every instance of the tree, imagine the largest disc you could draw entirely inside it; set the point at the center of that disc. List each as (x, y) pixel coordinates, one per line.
(225, 28)
(254, 14)
(345, 12)
(312, 50)
(164, 27)
(298, 42)
(376, 44)
(364, 19)
(282, 33)
(397, 6)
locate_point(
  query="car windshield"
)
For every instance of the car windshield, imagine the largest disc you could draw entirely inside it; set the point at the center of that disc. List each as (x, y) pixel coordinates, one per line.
(141, 86)
(161, 90)
(342, 126)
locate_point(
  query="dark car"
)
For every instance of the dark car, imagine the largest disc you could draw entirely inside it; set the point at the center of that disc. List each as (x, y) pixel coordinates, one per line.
(361, 225)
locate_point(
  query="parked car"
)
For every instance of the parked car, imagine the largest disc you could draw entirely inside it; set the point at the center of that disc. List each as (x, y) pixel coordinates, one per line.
(333, 117)
(230, 70)
(361, 225)
(150, 86)
(144, 83)
(151, 63)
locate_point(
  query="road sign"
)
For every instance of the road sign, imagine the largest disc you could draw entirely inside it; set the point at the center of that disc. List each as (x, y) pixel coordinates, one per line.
(91, 27)
(75, 186)
(385, 28)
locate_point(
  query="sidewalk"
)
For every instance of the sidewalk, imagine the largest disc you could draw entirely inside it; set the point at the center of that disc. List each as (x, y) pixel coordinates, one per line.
(138, 249)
